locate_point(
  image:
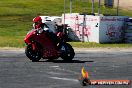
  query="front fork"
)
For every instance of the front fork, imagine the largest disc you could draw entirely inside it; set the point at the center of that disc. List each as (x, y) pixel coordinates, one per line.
(33, 47)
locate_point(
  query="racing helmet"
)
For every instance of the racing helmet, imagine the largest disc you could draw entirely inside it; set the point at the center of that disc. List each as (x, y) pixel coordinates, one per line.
(37, 22)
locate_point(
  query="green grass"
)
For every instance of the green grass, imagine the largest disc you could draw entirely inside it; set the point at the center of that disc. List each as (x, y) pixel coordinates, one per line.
(16, 18)
(97, 45)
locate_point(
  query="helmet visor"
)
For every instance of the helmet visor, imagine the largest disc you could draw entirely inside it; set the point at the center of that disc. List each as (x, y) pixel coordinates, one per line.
(36, 23)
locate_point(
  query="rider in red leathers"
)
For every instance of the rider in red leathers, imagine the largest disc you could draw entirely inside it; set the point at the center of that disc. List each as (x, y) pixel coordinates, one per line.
(38, 24)
(43, 27)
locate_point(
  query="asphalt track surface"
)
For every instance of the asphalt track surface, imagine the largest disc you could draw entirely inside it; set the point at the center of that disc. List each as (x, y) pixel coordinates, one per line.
(17, 71)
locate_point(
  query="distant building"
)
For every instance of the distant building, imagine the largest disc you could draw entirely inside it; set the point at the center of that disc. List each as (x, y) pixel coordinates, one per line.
(126, 4)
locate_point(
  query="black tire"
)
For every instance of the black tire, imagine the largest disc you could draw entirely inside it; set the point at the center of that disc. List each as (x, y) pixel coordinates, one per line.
(35, 56)
(67, 54)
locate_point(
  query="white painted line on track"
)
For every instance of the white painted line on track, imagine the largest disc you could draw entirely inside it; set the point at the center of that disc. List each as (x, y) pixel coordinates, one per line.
(73, 72)
(54, 66)
(54, 73)
(65, 79)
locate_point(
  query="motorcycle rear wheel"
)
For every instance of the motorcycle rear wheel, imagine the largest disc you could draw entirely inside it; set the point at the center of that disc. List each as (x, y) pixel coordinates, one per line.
(35, 56)
(67, 54)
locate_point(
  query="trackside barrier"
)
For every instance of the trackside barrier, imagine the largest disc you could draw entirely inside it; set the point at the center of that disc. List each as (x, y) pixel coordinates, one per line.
(99, 29)
(128, 32)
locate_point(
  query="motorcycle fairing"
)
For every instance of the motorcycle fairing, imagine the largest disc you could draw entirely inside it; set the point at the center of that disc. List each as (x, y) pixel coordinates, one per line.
(49, 50)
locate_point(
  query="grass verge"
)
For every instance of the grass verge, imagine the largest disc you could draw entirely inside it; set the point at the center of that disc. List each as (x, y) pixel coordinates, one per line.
(97, 45)
(16, 19)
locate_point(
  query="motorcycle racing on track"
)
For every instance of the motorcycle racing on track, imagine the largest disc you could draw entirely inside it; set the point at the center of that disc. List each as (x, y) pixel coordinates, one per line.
(44, 42)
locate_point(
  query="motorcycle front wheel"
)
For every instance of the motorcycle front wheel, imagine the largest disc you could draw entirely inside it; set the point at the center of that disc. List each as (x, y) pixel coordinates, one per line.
(34, 55)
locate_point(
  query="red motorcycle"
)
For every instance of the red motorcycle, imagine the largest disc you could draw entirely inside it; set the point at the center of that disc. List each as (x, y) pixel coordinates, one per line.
(42, 45)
